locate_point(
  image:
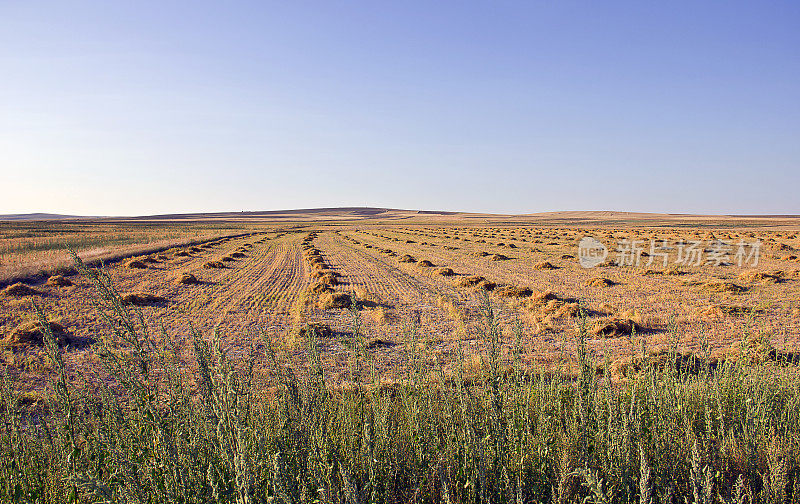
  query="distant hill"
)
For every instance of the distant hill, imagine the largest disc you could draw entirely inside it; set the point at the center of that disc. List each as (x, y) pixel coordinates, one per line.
(375, 214)
(40, 217)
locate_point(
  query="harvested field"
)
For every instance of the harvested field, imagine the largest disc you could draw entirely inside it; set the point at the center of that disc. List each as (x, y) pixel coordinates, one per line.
(360, 290)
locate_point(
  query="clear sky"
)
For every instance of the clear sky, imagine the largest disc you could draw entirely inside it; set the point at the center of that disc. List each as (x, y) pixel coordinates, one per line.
(142, 107)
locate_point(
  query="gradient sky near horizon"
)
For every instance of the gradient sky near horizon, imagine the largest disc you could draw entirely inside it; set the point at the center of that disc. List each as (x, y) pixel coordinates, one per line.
(136, 108)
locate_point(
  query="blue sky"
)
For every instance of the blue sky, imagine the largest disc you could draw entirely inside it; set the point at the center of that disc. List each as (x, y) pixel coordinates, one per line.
(130, 108)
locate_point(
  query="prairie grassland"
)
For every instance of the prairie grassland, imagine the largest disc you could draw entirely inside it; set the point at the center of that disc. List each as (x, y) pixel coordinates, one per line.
(397, 364)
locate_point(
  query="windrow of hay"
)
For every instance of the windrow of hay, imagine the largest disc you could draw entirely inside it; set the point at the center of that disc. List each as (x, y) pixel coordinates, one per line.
(498, 257)
(59, 281)
(613, 327)
(406, 258)
(547, 303)
(513, 291)
(599, 282)
(214, 265)
(470, 281)
(20, 289)
(719, 310)
(671, 271)
(728, 287)
(320, 288)
(317, 329)
(476, 281)
(544, 265)
(30, 333)
(762, 276)
(377, 343)
(136, 264)
(445, 272)
(317, 274)
(425, 264)
(188, 279)
(141, 299)
(329, 279)
(334, 299)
